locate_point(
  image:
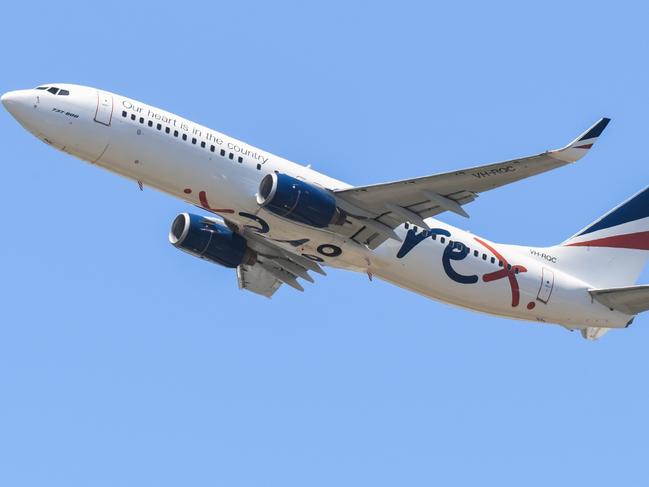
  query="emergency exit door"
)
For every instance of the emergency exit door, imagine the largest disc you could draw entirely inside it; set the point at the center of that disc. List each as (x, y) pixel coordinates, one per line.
(104, 113)
(547, 283)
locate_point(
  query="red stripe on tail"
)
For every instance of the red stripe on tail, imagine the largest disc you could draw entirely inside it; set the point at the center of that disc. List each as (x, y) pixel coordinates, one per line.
(638, 241)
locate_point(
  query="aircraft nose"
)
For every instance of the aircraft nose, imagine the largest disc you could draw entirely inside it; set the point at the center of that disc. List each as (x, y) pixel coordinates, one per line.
(18, 103)
(7, 98)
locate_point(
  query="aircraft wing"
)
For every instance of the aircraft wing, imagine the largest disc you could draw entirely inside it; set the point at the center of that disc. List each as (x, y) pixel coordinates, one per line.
(274, 266)
(377, 209)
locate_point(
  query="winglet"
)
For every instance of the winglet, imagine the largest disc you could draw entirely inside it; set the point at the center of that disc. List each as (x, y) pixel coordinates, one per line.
(588, 138)
(578, 148)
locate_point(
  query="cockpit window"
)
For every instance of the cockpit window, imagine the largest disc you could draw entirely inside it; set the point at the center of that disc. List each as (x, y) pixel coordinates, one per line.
(54, 90)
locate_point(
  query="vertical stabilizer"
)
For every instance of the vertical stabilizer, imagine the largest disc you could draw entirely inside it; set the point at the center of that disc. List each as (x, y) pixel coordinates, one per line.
(613, 250)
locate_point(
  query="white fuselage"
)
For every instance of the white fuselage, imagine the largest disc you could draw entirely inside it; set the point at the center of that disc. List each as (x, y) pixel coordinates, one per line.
(222, 175)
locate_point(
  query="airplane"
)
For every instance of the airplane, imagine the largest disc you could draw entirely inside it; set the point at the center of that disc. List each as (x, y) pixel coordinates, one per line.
(275, 221)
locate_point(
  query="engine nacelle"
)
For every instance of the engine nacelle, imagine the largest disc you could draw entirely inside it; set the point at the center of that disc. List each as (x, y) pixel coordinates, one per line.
(209, 240)
(299, 201)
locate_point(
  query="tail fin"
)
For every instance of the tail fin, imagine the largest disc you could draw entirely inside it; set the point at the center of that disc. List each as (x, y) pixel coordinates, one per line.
(613, 250)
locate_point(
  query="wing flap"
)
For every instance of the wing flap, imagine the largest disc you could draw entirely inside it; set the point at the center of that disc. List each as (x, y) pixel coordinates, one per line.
(274, 266)
(256, 279)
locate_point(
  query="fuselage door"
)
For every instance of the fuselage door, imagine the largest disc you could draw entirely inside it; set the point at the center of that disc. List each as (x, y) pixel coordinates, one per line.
(104, 112)
(547, 283)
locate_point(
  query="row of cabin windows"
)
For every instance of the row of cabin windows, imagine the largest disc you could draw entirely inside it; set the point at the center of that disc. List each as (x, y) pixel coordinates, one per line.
(476, 253)
(194, 141)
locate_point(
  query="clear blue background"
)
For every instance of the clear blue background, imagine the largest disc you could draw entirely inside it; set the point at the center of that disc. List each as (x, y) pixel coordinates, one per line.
(124, 362)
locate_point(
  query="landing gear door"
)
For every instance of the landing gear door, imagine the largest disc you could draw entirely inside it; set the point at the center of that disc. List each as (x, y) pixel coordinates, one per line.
(104, 113)
(547, 283)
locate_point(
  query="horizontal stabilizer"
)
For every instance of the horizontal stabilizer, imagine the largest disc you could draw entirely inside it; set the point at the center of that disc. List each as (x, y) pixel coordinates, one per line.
(630, 300)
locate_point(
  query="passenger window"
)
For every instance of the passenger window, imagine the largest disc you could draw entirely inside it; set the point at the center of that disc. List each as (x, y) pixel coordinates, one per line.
(212, 148)
(434, 236)
(124, 113)
(193, 140)
(231, 156)
(159, 126)
(476, 253)
(132, 116)
(240, 159)
(141, 119)
(53, 90)
(259, 167)
(175, 133)
(442, 240)
(484, 256)
(500, 263)
(222, 152)
(150, 123)
(167, 130)
(203, 144)
(184, 136)
(64, 93)
(509, 267)
(493, 260)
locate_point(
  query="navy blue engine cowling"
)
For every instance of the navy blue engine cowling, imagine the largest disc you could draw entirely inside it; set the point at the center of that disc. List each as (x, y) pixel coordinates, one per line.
(299, 201)
(209, 240)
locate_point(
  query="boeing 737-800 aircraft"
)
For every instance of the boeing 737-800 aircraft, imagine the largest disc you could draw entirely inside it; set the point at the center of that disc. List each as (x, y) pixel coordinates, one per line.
(274, 221)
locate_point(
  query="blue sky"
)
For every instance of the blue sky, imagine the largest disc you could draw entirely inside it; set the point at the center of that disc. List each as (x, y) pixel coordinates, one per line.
(125, 362)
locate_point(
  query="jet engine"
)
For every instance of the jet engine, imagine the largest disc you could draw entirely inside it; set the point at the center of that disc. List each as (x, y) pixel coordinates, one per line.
(209, 240)
(299, 201)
